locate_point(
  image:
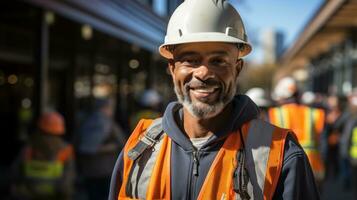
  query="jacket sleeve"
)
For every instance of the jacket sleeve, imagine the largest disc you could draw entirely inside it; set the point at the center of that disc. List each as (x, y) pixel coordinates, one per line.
(117, 178)
(296, 180)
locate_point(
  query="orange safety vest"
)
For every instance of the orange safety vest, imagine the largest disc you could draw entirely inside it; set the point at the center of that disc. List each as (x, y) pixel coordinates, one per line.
(62, 156)
(42, 176)
(264, 145)
(307, 123)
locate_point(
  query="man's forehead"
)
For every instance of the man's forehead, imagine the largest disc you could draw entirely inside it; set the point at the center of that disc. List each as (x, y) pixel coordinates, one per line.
(206, 48)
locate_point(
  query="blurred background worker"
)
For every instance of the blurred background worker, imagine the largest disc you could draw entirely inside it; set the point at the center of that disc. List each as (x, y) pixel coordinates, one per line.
(259, 97)
(45, 169)
(305, 121)
(336, 117)
(348, 143)
(100, 139)
(150, 107)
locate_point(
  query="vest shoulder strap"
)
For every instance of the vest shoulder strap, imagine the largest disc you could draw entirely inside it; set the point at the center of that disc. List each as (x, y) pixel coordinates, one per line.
(153, 135)
(260, 144)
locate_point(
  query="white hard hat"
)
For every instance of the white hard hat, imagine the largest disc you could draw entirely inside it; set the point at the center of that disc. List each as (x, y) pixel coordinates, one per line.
(308, 97)
(205, 21)
(285, 88)
(258, 96)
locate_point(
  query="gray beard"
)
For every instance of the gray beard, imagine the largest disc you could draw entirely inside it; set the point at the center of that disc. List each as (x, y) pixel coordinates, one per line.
(203, 110)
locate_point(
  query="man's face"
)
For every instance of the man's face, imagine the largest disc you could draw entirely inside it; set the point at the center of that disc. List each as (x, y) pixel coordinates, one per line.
(205, 76)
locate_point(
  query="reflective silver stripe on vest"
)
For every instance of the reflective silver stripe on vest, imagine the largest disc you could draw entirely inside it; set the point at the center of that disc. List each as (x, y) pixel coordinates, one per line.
(257, 149)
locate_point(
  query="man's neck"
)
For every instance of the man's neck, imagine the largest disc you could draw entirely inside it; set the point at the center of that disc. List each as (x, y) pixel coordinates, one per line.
(196, 127)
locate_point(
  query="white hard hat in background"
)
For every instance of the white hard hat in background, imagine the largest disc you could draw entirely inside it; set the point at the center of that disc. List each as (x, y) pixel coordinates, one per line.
(285, 88)
(258, 96)
(308, 97)
(205, 21)
(150, 98)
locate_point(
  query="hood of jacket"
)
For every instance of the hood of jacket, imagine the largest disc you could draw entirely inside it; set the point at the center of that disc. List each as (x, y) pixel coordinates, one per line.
(244, 110)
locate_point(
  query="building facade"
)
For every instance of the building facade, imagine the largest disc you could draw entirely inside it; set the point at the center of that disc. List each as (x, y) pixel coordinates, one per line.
(62, 54)
(324, 56)
(272, 42)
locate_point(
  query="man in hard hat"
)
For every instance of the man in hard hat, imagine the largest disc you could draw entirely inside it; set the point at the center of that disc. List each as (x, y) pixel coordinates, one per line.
(209, 144)
(259, 97)
(45, 169)
(306, 122)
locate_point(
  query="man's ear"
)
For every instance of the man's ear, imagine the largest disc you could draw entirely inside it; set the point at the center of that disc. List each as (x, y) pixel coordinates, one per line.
(239, 65)
(171, 65)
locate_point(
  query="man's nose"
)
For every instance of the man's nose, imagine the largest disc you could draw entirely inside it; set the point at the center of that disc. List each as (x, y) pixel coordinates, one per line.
(203, 72)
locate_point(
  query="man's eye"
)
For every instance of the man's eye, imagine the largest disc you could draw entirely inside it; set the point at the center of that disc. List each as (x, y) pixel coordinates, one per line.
(218, 61)
(190, 61)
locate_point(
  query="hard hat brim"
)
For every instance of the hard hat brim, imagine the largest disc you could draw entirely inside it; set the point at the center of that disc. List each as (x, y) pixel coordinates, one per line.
(204, 37)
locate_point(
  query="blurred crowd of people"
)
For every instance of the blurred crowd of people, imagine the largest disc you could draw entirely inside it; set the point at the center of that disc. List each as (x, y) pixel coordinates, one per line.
(49, 167)
(324, 125)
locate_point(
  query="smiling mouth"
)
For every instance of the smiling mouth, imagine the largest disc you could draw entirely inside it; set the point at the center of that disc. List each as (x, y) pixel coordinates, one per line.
(203, 93)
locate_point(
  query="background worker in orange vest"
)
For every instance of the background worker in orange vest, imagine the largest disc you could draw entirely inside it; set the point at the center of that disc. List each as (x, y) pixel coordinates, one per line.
(306, 122)
(210, 144)
(45, 169)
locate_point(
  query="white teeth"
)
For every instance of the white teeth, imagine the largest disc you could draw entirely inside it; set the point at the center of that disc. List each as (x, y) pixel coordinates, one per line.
(206, 90)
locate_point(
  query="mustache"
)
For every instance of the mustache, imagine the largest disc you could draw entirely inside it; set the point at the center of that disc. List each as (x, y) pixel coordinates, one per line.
(196, 83)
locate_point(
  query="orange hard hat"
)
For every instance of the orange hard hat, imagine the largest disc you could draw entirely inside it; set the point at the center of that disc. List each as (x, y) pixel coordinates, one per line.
(52, 123)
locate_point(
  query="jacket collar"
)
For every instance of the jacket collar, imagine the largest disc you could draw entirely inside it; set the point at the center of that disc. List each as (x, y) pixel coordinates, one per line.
(243, 111)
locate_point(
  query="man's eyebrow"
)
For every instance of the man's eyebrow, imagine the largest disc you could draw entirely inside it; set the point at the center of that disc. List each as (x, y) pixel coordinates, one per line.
(186, 53)
(223, 53)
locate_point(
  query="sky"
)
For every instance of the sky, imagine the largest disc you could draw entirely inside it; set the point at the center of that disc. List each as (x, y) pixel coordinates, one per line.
(288, 16)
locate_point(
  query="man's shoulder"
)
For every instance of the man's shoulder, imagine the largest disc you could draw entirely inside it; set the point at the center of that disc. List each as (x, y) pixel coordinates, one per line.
(291, 143)
(260, 132)
(293, 153)
(263, 124)
(292, 149)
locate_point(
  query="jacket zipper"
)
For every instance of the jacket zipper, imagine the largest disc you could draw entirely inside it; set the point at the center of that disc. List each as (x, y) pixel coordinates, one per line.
(195, 173)
(195, 163)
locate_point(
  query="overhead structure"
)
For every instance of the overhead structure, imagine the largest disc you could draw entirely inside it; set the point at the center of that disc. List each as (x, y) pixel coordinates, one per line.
(330, 31)
(126, 19)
